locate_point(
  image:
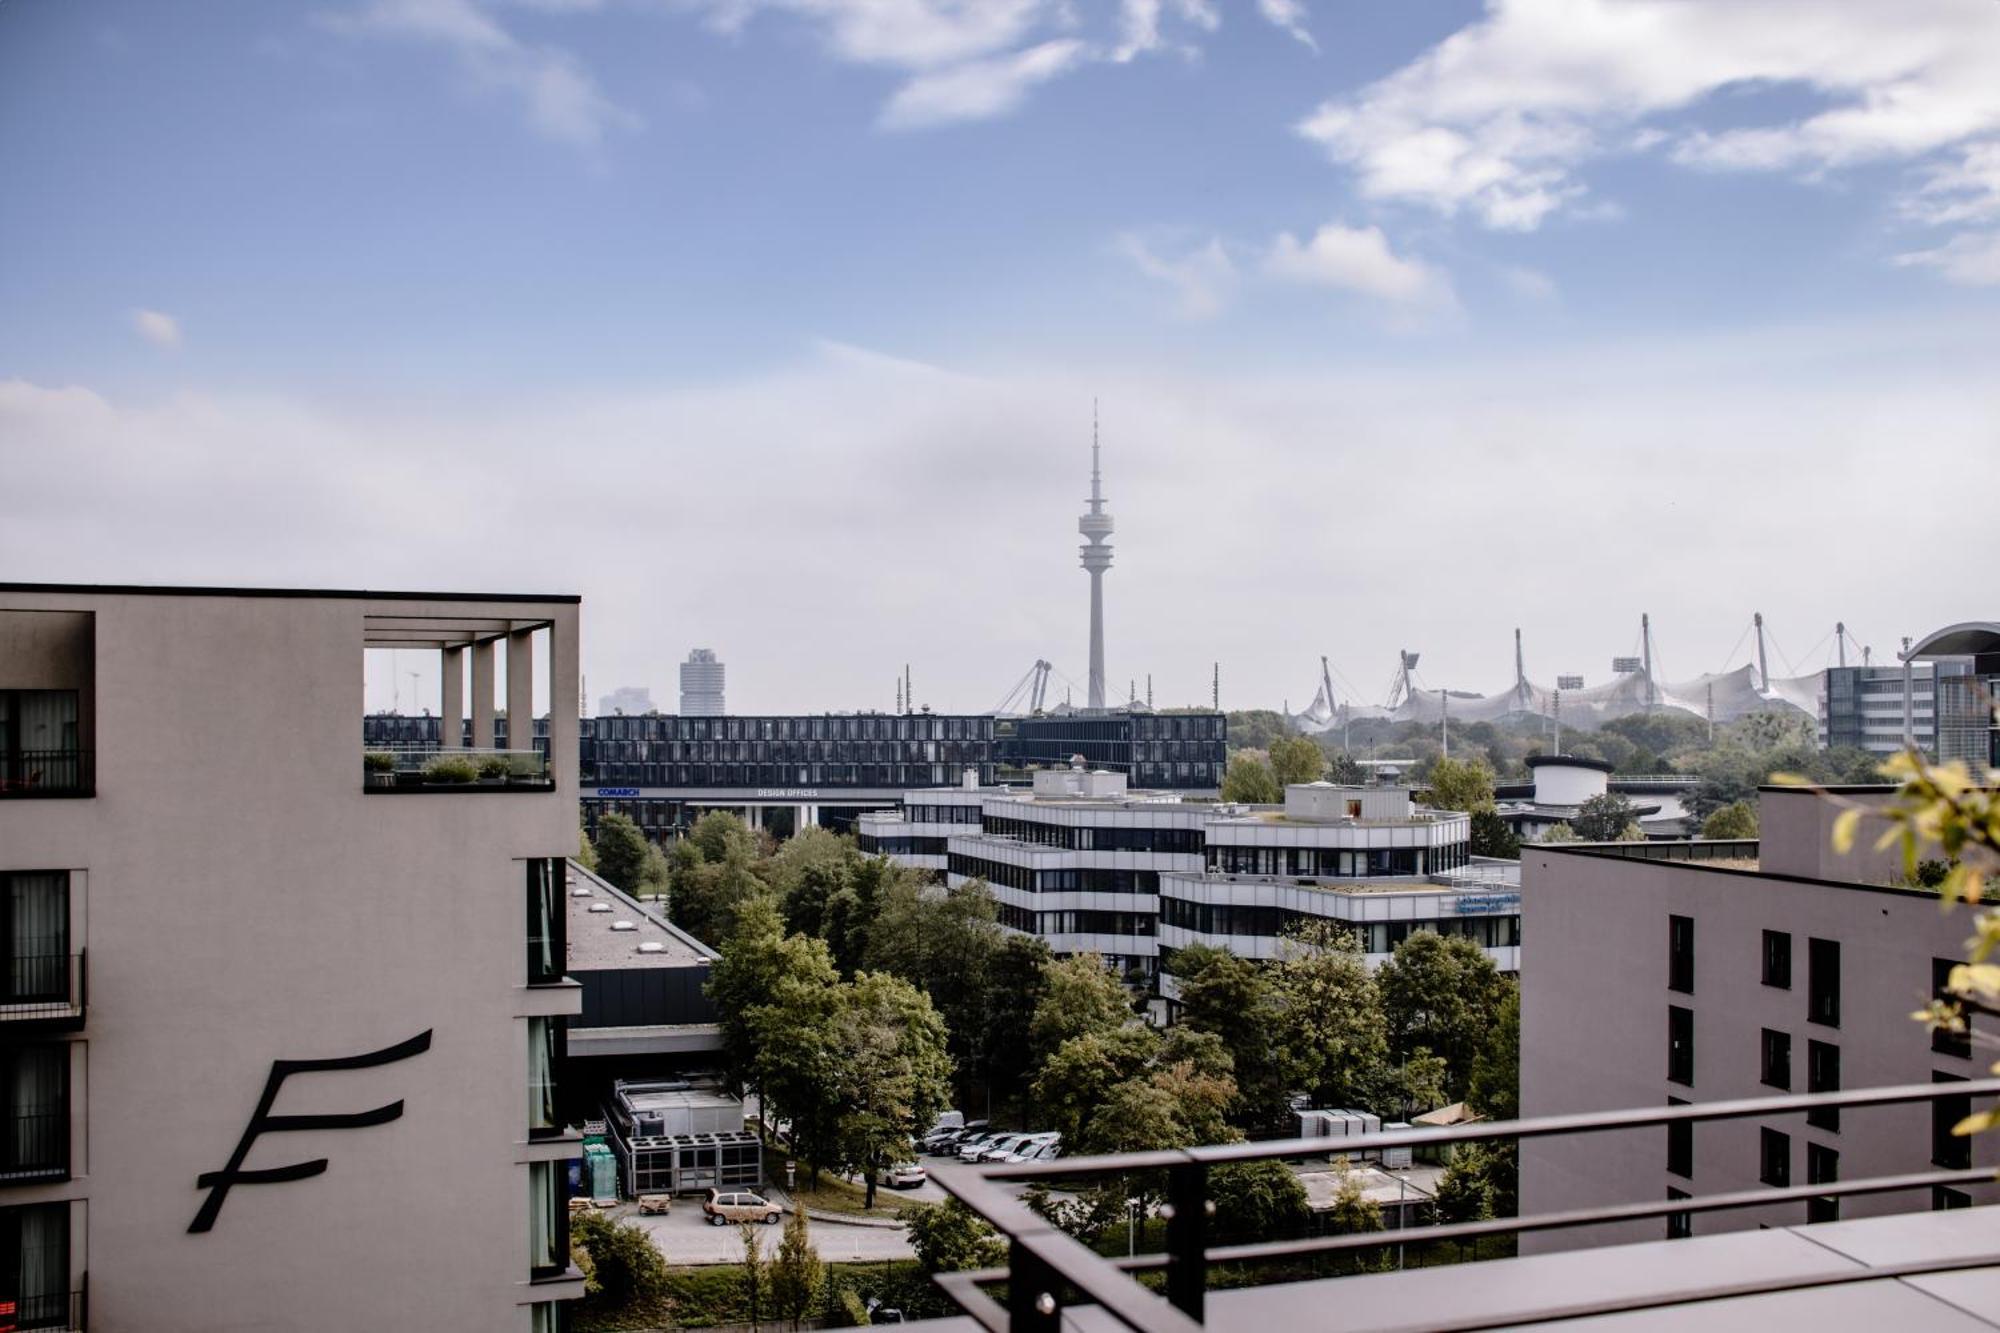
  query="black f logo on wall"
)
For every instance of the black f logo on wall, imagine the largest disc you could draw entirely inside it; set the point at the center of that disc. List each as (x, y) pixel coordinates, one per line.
(218, 1183)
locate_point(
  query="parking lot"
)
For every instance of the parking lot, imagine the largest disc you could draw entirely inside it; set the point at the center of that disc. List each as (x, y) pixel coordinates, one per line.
(684, 1236)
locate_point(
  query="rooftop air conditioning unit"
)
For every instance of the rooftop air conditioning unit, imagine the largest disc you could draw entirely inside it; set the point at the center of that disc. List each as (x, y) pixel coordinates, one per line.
(579, 893)
(601, 907)
(652, 946)
(624, 925)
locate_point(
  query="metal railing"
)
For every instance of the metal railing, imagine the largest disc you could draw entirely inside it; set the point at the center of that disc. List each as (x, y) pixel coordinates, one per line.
(37, 1147)
(428, 766)
(61, 1310)
(1049, 1271)
(40, 988)
(27, 773)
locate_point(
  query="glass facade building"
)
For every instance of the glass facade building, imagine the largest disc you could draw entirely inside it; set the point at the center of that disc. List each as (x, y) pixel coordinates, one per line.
(1155, 751)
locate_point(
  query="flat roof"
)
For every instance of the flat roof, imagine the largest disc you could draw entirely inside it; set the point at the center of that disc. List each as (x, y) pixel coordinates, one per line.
(595, 947)
(196, 590)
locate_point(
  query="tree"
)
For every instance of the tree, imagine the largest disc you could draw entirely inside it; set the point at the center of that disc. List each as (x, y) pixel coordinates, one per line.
(1465, 1192)
(1736, 820)
(1492, 837)
(797, 1061)
(755, 1274)
(1461, 784)
(1256, 1201)
(1353, 1211)
(1495, 1089)
(1440, 993)
(1017, 979)
(950, 1237)
(1602, 818)
(621, 851)
(1330, 1030)
(1249, 780)
(1234, 999)
(621, 1264)
(705, 895)
(946, 942)
(718, 833)
(1294, 759)
(586, 855)
(894, 1071)
(1421, 1083)
(1075, 1081)
(1560, 832)
(1078, 997)
(797, 1278)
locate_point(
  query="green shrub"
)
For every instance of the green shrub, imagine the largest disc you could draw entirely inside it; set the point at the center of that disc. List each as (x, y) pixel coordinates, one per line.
(450, 769)
(624, 1264)
(379, 761)
(493, 766)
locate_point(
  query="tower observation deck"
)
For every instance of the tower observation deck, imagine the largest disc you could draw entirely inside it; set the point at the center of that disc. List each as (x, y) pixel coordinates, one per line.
(1096, 525)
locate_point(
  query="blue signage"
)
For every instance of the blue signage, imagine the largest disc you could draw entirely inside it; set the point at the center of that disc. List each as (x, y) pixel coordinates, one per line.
(1467, 904)
(617, 791)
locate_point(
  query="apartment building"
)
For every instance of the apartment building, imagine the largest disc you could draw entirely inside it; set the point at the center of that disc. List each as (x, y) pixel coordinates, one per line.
(281, 1022)
(1652, 978)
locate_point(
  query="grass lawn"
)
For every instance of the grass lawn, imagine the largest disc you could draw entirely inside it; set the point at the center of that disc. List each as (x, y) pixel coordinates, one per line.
(835, 1195)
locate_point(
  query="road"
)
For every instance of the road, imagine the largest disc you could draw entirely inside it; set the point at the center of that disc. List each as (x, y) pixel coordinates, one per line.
(684, 1236)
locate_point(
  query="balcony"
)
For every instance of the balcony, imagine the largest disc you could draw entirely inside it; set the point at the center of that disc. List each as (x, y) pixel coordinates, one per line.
(43, 992)
(63, 1310)
(1910, 1270)
(434, 769)
(27, 774)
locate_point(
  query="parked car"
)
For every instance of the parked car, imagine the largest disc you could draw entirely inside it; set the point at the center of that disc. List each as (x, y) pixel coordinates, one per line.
(905, 1176)
(947, 1142)
(949, 1120)
(1029, 1149)
(999, 1148)
(723, 1207)
(969, 1150)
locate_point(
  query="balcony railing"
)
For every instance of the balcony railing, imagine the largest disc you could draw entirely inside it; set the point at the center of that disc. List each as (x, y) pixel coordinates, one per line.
(434, 768)
(1049, 1272)
(44, 990)
(37, 1148)
(62, 1310)
(31, 773)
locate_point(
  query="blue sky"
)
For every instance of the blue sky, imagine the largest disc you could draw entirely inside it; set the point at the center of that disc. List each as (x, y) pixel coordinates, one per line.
(781, 318)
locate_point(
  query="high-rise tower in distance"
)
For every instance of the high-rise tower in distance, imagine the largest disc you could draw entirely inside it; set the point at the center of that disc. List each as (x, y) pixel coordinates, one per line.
(1096, 529)
(701, 684)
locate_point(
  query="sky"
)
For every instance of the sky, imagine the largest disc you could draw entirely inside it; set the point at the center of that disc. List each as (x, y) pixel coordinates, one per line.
(775, 326)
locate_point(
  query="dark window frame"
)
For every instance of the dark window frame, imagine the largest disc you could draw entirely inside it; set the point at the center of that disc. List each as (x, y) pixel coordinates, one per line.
(1823, 982)
(1680, 1045)
(1775, 1059)
(1774, 1157)
(1680, 954)
(1778, 959)
(1823, 1075)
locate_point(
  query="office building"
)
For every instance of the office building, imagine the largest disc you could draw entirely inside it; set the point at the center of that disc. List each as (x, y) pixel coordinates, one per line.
(1649, 982)
(1177, 751)
(1880, 709)
(1092, 866)
(1363, 859)
(1966, 659)
(701, 685)
(281, 1022)
(779, 773)
(1559, 784)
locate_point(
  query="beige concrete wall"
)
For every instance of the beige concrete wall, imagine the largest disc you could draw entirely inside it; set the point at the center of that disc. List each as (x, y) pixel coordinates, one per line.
(248, 902)
(1795, 831)
(1594, 1001)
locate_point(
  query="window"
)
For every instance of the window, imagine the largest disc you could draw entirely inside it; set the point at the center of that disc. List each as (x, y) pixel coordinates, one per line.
(34, 936)
(34, 1088)
(1774, 1156)
(548, 913)
(1680, 954)
(1822, 1168)
(1777, 1059)
(1680, 1144)
(39, 742)
(548, 1222)
(34, 1264)
(1680, 1045)
(1778, 959)
(1823, 982)
(1823, 1075)
(1679, 1225)
(542, 1123)
(1951, 1151)
(1956, 1044)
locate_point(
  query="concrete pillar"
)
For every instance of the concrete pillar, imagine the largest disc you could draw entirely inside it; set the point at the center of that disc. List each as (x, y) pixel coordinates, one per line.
(521, 690)
(482, 695)
(451, 705)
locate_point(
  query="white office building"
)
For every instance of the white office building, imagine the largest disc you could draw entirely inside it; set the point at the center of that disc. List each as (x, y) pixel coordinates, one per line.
(701, 685)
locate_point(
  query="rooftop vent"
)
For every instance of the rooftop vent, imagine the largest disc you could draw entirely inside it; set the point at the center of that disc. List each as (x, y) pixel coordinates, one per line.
(579, 893)
(600, 907)
(652, 946)
(624, 925)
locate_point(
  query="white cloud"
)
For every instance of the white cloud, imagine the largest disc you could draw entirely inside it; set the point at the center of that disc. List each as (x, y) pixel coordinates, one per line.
(978, 89)
(1971, 258)
(1528, 283)
(1356, 259)
(990, 464)
(1203, 279)
(157, 328)
(1289, 15)
(561, 100)
(1498, 119)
